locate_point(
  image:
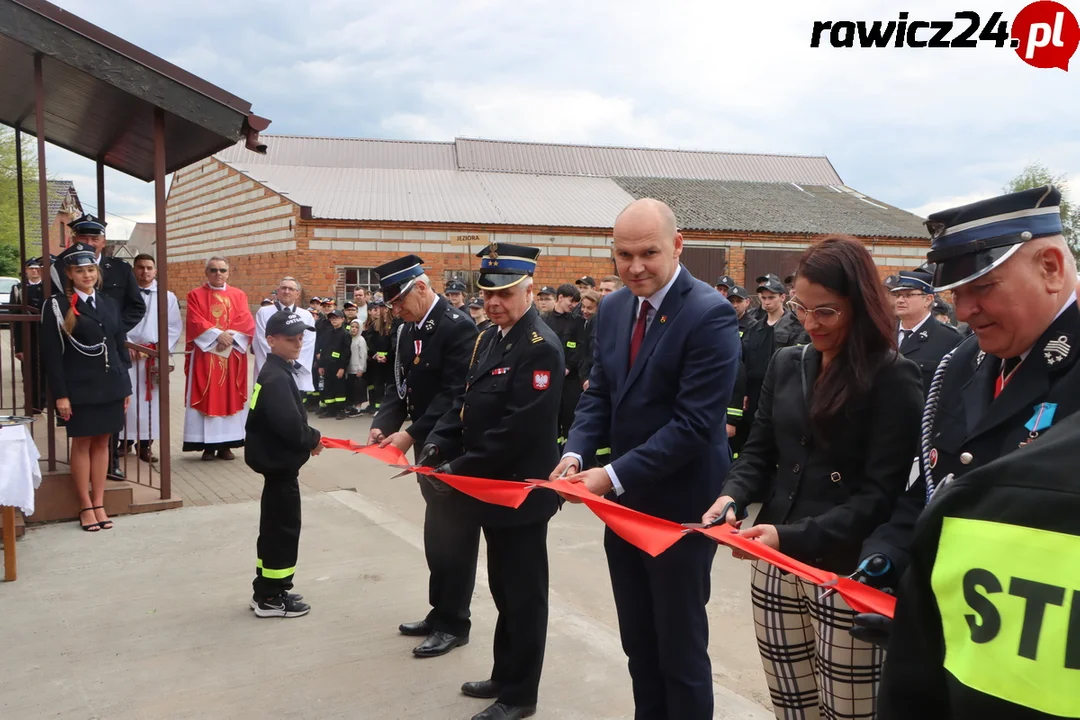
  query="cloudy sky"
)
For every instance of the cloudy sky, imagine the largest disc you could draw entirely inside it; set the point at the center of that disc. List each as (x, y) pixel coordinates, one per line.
(921, 129)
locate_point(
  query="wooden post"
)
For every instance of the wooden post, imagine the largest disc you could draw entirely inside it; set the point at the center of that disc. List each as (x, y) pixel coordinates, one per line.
(43, 200)
(10, 571)
(161, 253)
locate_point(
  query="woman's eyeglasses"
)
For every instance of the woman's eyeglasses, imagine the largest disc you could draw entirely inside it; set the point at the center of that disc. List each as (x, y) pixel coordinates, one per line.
(822, 315)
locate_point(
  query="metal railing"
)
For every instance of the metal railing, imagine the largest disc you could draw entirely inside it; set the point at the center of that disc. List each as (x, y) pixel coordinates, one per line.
(146, 419)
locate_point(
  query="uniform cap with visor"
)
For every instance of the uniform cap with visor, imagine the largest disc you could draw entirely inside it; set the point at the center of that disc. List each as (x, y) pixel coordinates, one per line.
(398, 277)
(969, 241)
(504, 265)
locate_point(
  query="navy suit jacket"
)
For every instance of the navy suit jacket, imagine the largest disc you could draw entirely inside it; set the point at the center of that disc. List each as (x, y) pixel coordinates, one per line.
(665, 418)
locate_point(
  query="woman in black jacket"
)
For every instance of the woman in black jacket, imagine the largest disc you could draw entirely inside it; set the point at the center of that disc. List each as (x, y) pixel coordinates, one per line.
(86, 367)
(828, 455)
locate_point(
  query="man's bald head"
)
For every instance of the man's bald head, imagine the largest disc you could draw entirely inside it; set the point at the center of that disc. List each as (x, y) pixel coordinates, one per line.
(647, 246)
(648, 212)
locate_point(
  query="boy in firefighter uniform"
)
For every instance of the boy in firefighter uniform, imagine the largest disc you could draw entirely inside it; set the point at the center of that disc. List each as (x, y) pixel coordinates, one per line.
(337, 346)
(278, 441)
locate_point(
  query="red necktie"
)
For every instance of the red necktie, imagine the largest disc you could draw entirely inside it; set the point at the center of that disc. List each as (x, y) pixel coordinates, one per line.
(639, 331)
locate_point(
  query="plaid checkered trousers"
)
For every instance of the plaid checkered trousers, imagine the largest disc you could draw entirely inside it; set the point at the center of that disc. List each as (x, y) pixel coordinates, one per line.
(814, 668)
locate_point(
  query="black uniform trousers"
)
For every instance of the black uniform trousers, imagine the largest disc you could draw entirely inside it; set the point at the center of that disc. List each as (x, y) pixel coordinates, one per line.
(451, 544)
(669, 668)
(279, 535)
(335, 391)
(571, 393)
(518, 576)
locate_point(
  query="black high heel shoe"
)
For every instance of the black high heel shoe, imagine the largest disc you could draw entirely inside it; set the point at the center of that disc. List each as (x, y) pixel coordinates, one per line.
(94, 527)
(104, 524)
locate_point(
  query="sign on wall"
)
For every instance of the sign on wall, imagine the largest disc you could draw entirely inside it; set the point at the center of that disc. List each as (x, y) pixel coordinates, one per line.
(469, 238)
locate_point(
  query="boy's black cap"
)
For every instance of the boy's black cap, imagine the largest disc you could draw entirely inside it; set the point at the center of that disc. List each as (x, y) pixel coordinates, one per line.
(284, 322)
(337, 314)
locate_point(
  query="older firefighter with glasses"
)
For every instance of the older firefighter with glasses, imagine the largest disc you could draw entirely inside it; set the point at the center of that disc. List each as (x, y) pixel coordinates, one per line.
(431, 357)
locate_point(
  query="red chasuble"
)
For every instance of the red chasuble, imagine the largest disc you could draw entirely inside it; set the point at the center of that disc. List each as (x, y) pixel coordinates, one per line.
(218, 385)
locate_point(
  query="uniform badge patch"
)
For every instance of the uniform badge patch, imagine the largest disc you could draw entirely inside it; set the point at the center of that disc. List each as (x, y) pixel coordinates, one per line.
(541, 379)
(933, 458)
(429, 325)
(1057, 350)
(979, 358)
(924, 334)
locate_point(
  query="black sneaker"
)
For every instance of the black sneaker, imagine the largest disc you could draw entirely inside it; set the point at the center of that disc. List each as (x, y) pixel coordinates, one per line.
(281, 606)
(295, 597)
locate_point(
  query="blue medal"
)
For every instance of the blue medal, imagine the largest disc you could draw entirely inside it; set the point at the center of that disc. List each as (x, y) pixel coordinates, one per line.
(1041, 420)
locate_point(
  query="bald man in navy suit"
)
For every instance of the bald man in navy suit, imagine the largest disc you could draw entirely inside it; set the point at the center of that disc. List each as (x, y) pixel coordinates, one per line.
(664, 364)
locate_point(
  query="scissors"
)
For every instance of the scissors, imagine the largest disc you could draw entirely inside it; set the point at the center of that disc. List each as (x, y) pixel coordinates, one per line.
(831, 584)
(719, 519)
(405, 470)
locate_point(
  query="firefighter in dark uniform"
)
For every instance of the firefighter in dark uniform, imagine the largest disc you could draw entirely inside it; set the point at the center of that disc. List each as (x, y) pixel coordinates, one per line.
(33, 292)
(505, 428)
(118, 282)
(455, 295)
(433, 346)
(277, 443)
(724, 284)
(921, 338)
(1014, 378)
(988, 620)
(570, 329)
(777, 329)
(476, 307)
(336, 350)
(738, 424)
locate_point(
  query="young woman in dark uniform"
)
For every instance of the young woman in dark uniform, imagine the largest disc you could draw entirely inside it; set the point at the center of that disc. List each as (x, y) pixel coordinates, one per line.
(828, 455)
(87, 372)
(381, 354)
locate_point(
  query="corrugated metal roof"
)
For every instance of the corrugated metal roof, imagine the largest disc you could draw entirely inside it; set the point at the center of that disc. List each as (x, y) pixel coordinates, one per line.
(596, 161)
(535, 159)
(345, 153)
(776, 208)
(448, 196)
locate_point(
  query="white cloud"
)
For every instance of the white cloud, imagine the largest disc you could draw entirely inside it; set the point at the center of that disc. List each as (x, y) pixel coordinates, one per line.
(916, 128)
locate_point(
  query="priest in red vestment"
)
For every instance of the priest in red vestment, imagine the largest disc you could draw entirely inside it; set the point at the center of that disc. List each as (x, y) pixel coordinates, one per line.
(219, 330)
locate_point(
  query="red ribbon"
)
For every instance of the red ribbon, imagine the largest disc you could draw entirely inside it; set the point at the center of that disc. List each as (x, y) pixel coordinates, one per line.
(389, 454)
(150, 361)
(651, 534)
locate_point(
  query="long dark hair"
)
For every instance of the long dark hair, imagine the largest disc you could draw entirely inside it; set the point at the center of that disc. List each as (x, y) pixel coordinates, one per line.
(843, 265)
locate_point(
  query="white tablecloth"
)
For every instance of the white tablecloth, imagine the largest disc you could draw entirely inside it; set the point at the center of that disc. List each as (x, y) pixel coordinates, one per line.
(20, 474)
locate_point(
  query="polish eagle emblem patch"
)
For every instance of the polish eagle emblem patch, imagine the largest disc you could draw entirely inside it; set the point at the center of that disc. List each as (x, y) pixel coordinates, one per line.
(541, 379)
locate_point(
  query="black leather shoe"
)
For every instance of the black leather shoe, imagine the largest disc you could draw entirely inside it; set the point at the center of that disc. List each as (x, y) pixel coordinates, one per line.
(499, 711)
(420, 628)
(439, 643)
(482, 689)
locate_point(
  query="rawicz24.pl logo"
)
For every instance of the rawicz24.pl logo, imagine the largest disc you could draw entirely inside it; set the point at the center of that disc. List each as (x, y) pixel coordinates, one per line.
(1044, 34)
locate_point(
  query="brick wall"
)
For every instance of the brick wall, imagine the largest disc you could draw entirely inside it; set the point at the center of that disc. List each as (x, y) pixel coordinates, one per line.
(215, 210)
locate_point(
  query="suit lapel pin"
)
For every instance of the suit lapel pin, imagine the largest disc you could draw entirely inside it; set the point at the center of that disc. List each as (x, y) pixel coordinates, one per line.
(979, 358)
(1057, 350)
(663, 318)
